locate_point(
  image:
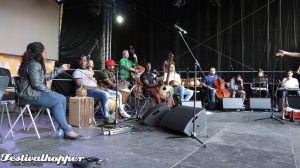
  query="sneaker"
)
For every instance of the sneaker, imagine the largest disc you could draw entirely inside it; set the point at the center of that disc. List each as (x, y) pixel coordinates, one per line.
(109, 120)
(125, 115)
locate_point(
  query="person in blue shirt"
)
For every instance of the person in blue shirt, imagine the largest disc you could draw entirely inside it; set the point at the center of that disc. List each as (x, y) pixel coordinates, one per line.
(209, 81)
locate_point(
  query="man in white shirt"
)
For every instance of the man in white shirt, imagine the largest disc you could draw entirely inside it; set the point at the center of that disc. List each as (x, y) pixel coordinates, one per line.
(289, 83)
(185, 94)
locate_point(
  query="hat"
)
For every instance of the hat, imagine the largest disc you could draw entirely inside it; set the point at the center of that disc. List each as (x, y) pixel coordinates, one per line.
(110, 63)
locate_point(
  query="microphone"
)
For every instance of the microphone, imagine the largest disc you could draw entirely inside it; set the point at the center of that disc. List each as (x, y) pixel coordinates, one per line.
(180, 29)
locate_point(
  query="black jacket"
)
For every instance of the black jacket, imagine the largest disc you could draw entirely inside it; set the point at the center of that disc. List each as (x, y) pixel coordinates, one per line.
(33, 81)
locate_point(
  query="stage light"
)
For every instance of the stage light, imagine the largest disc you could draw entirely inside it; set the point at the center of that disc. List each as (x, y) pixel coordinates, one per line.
(119, 19)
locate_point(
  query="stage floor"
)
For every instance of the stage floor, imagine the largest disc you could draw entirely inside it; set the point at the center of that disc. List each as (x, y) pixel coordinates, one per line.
(234, 140)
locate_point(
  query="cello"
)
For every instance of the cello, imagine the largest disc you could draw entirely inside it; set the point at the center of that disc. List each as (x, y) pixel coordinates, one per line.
(222, 92)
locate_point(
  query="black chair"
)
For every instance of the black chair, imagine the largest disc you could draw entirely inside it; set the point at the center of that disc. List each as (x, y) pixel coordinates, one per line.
(293, 105)
(4, 81)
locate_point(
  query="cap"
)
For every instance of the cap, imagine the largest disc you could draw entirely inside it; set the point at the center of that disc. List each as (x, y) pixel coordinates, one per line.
(110, 63)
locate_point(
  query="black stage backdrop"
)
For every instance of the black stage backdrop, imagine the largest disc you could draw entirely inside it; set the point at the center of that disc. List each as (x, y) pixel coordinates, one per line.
(235, 35)
(242, 33)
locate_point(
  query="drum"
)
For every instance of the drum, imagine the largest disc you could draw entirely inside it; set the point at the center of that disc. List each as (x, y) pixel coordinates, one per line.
(184, 82)
(112, 106)
(125, 94)
(192, 82)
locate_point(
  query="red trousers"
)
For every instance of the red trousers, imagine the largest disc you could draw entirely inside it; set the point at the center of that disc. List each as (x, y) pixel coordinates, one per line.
(154, 92)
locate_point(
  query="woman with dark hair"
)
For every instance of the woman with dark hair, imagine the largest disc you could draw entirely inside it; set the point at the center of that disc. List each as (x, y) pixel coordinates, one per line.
(33, 90)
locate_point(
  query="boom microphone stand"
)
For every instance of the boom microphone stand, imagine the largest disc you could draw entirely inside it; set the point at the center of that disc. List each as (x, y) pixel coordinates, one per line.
(193, 134)
(274, 96)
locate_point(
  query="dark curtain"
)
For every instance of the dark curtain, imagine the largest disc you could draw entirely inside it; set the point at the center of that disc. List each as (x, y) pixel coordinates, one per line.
(237, 35)
(80, 30)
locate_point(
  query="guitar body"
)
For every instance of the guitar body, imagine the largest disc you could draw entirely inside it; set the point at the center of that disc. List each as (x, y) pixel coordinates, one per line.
(222, 92)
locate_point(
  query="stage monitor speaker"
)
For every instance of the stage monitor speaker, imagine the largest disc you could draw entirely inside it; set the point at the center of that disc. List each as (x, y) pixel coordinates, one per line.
(260, 103)
(233, 103)
(191, 104)
(294, 102)
(154, 114)
(180, 119)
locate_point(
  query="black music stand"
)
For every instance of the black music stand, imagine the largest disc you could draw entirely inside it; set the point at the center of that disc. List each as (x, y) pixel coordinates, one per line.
(274, 96)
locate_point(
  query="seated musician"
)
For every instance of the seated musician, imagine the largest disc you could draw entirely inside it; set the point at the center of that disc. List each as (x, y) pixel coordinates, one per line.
(151, 85)
(290, 83)
(107, 79)
(126, 67)
(237, 88)
(85, 79)
(209, 81)
(259, 86)
(184, 93)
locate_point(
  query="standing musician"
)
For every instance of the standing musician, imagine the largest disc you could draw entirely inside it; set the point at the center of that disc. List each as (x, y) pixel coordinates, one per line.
(126, 67)
(175, 81)
(151, 85)
(282, 53)
(209, 81)
(289, 83)
(259, 86)
(237, 87)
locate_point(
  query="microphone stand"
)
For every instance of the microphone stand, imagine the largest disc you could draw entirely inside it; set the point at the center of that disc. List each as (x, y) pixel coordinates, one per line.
(193, 134)
(117, 106)
(274, 104)
(95, 44)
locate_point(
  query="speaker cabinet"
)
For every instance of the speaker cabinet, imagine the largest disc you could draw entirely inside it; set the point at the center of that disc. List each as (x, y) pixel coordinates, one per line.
(180, 119)
(233, 103)
(191, 104)
(154, 114)
(260, 103)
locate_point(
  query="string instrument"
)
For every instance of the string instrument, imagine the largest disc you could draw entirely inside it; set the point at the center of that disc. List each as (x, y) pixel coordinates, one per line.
(138, 87)
(138, 69)
(222, 92)
(166, 91)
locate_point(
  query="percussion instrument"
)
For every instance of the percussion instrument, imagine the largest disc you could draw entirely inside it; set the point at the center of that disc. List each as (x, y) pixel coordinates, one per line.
(112, 106)
(81, 92)
(174, 83)
(125, 94)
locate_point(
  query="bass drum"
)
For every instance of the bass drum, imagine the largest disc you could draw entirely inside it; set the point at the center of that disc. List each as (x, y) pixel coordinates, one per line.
(166, 92)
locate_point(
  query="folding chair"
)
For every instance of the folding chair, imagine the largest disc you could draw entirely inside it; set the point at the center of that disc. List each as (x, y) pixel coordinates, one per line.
(4, 80)
(23, 108)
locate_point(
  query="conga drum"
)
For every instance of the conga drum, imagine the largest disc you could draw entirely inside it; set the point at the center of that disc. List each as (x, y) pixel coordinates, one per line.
(112, 106)
(125, 94)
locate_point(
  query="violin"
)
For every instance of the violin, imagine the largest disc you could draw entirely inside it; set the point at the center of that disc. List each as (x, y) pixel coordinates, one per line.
(222, 92)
